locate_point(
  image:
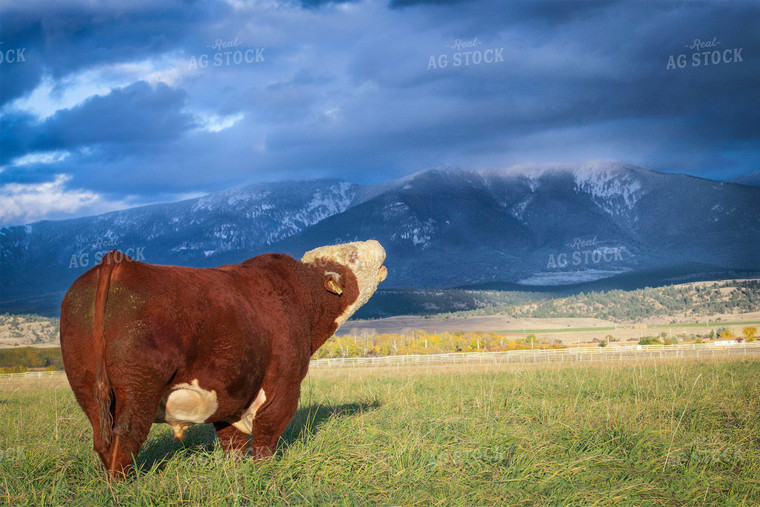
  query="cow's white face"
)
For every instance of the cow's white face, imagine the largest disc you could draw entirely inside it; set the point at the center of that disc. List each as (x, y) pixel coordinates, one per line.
(364, 258)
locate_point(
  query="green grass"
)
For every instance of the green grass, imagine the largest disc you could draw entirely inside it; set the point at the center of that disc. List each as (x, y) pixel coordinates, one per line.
(642, 433)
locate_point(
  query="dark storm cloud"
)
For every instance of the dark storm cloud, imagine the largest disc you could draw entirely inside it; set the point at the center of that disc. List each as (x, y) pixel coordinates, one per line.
(398, 4)
(62, 37)
(608, 65)
(345, 90)
(138, 113)
(493, 15)
(17, 136)
(105, 127)
(311, 4)
(19, 78)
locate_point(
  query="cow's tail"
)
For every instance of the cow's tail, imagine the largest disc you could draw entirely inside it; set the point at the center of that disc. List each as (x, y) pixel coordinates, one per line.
(102, 389)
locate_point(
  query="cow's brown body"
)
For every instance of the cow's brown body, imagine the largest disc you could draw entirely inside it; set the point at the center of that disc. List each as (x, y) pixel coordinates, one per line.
(228, 345)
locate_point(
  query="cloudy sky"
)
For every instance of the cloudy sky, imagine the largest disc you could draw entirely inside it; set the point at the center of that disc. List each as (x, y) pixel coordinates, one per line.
(110, 104)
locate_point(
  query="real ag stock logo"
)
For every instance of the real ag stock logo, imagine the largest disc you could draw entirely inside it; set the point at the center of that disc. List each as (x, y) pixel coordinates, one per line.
(101, 246)
(585, 252)
(226, 53)
(705, 53)
(11, 55)
(467, 53)
(12, 454)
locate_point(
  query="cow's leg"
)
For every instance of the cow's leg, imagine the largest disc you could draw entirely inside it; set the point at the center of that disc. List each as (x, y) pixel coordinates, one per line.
(272, 420)
(136, 408)
(83, 394)
(231, 439)
(76, 348)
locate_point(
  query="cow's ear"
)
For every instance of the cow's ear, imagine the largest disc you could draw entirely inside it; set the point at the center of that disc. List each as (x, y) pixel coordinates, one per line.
(333, 283)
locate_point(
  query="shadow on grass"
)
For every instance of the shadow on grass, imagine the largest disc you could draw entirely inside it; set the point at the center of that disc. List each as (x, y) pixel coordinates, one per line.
(201, 438)
(307, 420)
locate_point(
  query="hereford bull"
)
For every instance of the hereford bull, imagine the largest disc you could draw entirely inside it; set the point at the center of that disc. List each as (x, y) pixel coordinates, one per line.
(227, 345)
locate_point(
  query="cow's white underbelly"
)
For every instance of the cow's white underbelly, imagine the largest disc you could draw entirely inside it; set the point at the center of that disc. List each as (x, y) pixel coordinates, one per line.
(185, 405)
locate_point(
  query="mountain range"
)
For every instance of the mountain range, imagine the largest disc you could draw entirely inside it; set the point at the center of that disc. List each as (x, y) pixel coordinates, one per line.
(532, 226)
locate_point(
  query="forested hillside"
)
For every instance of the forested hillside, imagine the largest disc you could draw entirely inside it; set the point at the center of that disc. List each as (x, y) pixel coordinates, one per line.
(683, 301)
(27, 329)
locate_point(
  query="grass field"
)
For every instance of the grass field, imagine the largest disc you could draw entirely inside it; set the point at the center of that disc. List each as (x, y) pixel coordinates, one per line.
(645, 433)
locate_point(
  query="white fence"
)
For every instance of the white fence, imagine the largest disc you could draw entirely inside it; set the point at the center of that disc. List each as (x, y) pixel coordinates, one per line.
(610, 353)
(32, 374)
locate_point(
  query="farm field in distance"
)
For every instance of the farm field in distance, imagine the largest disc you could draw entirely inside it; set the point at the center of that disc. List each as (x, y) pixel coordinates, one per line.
(685, 309)
(641, 432)
(567, 330)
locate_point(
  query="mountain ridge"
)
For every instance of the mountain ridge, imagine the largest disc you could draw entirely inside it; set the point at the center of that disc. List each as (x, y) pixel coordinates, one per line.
(535, 225)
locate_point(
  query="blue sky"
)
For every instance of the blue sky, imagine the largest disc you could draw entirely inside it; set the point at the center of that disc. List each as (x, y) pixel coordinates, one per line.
(111, 104)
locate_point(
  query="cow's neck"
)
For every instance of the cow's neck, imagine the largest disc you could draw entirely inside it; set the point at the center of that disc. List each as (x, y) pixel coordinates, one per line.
(331, 310)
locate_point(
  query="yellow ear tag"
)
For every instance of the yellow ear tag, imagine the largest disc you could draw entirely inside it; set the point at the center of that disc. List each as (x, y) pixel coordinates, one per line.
(335, 287)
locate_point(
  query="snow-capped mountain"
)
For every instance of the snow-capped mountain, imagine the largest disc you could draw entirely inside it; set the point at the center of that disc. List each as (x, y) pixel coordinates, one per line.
(552, 225)
(527, 225)
(39, 260)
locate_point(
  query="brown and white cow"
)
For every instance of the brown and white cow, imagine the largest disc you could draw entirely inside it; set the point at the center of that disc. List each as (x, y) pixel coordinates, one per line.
(227, 345)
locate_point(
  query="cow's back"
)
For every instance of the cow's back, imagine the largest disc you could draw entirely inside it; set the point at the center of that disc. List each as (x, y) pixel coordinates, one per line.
(211, 325)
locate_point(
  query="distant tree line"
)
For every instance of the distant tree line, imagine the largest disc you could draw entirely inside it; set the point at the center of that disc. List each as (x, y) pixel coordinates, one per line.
(422, 342)
(21, 359)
